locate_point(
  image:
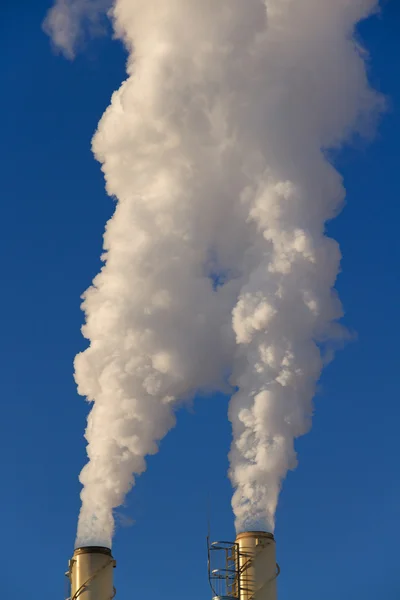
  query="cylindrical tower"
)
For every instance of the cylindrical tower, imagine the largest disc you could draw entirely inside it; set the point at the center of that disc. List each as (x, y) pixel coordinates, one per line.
(257, 568)
(91, 574)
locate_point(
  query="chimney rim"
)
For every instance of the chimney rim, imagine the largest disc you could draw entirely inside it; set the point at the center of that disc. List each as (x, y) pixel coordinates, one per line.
(253, 534)
(92, 550)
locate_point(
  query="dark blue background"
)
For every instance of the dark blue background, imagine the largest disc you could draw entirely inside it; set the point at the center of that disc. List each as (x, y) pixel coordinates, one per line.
(338, 519)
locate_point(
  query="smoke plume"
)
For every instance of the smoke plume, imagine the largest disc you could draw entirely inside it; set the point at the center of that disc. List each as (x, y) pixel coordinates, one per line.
(216, 257)
(68, 21)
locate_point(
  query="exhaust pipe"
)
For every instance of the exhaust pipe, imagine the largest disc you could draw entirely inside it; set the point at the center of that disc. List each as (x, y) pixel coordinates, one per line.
(91, 574)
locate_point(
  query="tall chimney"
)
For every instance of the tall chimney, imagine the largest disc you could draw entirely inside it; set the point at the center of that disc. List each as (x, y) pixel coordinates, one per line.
(91, 574)
(257, 566)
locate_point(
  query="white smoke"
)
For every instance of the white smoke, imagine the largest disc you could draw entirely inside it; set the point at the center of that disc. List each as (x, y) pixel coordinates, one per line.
(216, 256)
(69, 21)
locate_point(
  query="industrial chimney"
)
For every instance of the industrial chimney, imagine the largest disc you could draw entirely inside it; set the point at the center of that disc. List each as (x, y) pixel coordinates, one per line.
(245, 569)
(257, 567)
(90, 574)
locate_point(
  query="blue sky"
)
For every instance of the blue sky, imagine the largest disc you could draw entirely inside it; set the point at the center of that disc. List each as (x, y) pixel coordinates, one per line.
(338, 521)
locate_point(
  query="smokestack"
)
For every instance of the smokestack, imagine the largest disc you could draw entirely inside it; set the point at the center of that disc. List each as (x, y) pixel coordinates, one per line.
(257, 566)
(245, 569)
(91, 574)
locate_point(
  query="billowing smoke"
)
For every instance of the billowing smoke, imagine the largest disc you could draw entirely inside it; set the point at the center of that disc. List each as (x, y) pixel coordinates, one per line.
(216, 258)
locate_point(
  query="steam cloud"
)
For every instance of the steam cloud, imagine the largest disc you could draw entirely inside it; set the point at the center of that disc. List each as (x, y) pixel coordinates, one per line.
(68, 21)
(216, 256)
